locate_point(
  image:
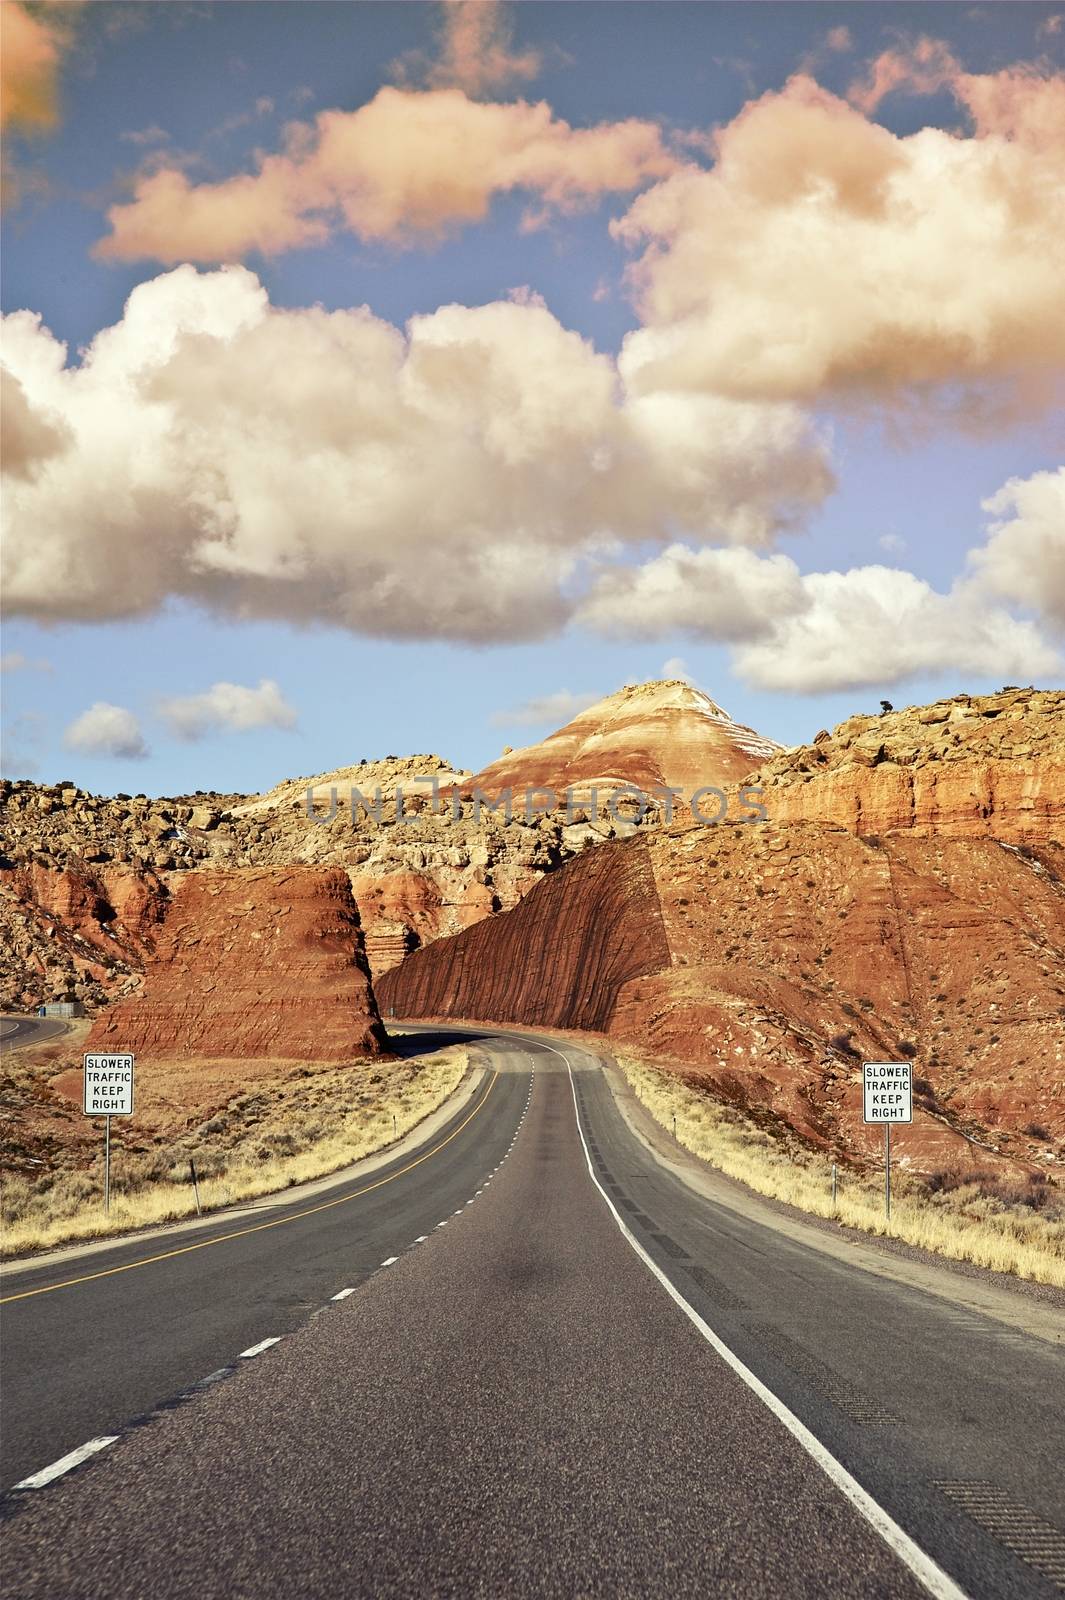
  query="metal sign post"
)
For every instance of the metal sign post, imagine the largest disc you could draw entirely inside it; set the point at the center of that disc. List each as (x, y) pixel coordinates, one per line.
(108, 1092)
(887, 1169)
(887, 1097)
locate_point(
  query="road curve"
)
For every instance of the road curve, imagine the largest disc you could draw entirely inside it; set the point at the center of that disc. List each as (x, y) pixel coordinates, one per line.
(90, 1343)
(521, 1404)
(16, 1031)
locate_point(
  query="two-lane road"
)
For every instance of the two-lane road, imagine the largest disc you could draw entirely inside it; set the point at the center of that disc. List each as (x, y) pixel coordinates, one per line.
(591, 1380)
(111, 1334)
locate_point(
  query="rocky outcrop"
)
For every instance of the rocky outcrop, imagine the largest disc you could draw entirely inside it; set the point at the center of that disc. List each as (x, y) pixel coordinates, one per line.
(770, 962)
(419, 871)
(428, 865)
(654, 736)
(75, 933)
(253, 963)
(965, 767)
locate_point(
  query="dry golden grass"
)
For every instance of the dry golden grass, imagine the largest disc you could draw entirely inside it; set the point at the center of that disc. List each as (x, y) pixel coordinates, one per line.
(274, 1135)
(967, 1221)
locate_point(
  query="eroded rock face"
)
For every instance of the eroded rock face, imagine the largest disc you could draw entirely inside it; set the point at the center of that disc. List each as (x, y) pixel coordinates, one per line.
(559, 959)
(76, 932)
(771, 961)
(419, 868)
(969, 766)
(251, 963)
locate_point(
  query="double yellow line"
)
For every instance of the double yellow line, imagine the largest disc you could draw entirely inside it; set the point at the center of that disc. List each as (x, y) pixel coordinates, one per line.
(258, 1227)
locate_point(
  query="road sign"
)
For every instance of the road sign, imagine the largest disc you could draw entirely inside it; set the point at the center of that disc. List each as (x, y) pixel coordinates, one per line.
(887, 1097)
(888, 1091)
(108, 1086)
(108, 1092)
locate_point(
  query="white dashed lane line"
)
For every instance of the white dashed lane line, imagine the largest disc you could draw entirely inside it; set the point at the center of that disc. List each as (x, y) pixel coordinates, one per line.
(67, 1463)
(257, 1349)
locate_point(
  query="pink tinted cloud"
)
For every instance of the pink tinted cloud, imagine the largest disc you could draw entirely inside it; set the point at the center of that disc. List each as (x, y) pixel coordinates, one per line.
(477, 49)
(1020, 102)
(823, 253)
(406, 165)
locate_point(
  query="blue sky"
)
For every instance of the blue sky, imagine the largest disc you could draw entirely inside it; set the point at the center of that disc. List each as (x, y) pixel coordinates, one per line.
(207, 90)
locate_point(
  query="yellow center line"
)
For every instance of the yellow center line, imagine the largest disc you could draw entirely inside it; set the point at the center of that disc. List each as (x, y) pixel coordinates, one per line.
(259, 1227)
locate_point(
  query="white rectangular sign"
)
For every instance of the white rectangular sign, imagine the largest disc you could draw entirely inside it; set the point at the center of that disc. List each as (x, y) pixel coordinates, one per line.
(888, 1091)
(108, 1086)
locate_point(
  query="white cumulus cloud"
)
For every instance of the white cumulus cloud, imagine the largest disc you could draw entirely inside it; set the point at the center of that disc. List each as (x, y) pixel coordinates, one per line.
(106, 730)
(880, 626)
(227, 706)
(1024, 557)
(824, 254)
(712, 594)
(818, 631)
(445, 481)
(405, 166)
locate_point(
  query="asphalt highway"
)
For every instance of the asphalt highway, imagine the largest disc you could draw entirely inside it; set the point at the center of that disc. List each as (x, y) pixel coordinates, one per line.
(560, 1372)
(121, 1338)
(16, 1031)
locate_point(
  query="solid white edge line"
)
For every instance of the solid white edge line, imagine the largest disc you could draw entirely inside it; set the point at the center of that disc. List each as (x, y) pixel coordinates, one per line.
(927, 1572)
(257, 1349)
(67, 1463)
(343, 1295)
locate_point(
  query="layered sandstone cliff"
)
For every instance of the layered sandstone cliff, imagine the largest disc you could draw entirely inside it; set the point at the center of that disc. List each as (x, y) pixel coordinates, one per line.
(418, 871)
(969, 766)
(772, 961)
(253, 962)
(427, 867)
(558, 959)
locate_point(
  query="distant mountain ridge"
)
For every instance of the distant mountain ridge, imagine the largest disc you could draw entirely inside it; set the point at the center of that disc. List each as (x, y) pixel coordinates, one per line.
(661, 734)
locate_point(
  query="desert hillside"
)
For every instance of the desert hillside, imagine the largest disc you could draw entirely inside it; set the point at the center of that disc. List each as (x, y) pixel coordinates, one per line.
(252, 963)
(85, 880)
(770, 961)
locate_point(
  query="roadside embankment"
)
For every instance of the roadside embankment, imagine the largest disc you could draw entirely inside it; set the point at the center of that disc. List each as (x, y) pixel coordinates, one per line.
(299, 1121)
(966, 1214)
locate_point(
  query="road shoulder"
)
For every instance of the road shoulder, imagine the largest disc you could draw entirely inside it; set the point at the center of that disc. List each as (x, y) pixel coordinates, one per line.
(975, 1290)
(418, 1136)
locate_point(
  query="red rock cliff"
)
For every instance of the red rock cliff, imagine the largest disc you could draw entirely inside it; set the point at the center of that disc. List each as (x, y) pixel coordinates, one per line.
(559, 959)
(969, 766)
(773, 960)
(253, 962)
